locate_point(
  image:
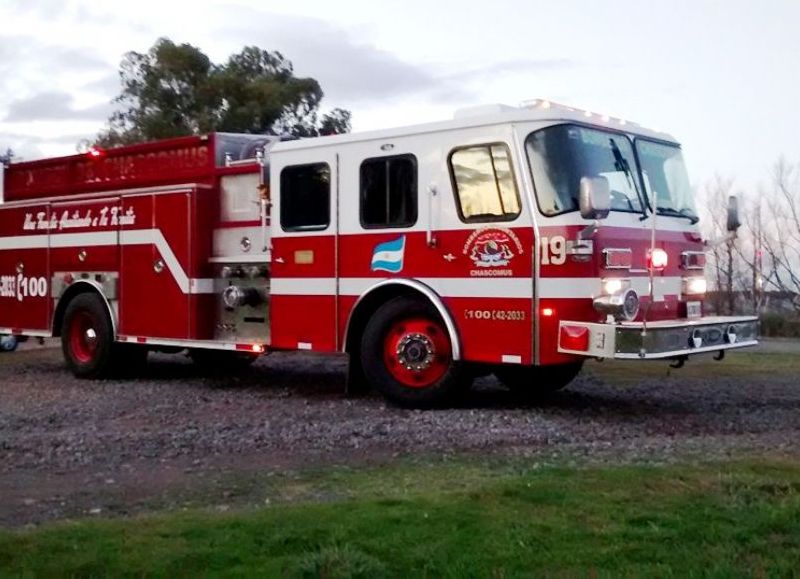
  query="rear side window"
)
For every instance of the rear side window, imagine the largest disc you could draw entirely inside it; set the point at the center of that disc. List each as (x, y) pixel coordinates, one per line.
(305, 197)
(484, 182)
(389, 192)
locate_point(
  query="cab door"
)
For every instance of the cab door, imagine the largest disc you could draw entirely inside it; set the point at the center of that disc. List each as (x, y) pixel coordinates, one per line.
(483, 246)
(304, 232)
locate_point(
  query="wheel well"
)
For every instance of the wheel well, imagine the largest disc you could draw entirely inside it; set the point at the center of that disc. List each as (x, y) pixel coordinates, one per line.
(369, 304)
(77, 288)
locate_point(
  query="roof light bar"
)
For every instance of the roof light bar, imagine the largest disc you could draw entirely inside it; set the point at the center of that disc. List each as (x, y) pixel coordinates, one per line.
(547, 104)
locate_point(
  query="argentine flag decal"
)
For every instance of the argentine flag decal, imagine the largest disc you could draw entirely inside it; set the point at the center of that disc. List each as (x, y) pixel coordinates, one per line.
(388, 256)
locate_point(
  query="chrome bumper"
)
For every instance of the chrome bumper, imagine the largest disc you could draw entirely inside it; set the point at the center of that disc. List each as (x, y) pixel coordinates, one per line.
(662, 339)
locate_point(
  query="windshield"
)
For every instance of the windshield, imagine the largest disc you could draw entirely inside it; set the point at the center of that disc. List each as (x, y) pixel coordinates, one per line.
(665, 177)
(561, 155)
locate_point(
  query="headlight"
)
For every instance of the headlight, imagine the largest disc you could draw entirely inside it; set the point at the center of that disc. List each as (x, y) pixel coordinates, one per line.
(618, 299)
(693, 286)
(614, 285)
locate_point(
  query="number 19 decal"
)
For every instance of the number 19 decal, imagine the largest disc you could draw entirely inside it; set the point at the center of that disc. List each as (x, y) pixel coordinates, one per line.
(553, 250)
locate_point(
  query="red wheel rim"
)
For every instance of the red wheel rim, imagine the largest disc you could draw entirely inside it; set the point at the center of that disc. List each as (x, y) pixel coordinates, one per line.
(416, 352)
(83, 337)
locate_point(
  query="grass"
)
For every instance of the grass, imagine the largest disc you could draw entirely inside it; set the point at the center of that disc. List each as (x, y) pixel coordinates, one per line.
(457, 519)
(780, 325)
(737, 364)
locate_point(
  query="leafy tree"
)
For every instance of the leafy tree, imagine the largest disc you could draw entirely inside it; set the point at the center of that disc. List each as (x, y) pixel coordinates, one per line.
(5, 159)
(174, 90)
(336, 122)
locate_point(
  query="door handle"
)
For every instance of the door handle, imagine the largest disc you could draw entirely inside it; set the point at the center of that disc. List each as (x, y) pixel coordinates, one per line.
(429, 237)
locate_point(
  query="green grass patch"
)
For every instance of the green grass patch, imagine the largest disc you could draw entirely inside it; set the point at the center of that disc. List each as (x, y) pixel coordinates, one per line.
(737, 364)
(462, 519)
(780, 325)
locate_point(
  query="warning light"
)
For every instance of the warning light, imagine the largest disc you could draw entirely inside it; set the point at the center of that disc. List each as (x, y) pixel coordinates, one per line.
(96, 153)
(548, 312)
(657, 259)
(258, 349)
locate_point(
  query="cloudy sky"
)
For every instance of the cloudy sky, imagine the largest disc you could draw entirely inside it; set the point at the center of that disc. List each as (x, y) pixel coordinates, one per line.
(722, 76)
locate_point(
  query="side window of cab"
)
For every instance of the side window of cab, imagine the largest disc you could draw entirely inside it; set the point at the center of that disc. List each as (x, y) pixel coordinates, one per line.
(388, 192)
(484, 183)
(305, 197)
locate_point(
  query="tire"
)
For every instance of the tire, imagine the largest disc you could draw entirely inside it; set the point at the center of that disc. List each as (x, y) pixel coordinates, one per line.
(221, 361)
(87, 337)
(530, 381)
(411, 331)
(8, 343)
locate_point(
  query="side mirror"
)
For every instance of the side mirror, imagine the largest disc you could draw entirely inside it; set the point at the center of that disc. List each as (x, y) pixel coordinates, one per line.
(733, 213)
(594, 197)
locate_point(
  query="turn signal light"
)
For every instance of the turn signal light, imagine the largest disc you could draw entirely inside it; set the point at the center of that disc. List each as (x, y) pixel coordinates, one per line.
(657, 259)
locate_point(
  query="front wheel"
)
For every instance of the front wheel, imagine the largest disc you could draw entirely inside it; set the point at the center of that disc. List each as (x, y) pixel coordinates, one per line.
(407, 355)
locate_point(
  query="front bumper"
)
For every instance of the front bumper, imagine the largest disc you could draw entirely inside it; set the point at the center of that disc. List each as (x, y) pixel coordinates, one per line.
(659, 340)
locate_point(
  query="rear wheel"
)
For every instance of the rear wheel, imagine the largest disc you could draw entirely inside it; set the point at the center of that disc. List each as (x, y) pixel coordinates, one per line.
(407, 355)
(87, 340)
(530, 381)
(8, 343)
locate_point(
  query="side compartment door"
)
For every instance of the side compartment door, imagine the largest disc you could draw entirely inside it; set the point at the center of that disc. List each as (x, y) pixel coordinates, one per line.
(304, 237)
(86, 239)
(155, 287)
(25, 301)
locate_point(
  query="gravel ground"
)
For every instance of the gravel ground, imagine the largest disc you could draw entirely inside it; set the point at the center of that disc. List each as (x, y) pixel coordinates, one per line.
(71, 448)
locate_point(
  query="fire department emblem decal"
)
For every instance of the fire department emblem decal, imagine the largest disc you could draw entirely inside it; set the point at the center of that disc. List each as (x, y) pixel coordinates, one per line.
(491, 250)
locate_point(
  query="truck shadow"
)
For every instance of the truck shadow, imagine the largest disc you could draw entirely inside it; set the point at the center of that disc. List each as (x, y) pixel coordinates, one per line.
(306, 376)
(298, 373)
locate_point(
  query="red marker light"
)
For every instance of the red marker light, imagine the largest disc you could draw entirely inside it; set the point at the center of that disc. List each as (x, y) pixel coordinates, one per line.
(575, 338)
(548, 312)
(657, 259)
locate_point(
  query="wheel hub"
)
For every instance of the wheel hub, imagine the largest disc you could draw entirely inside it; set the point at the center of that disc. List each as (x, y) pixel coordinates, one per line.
(416, 352)
(84, 340)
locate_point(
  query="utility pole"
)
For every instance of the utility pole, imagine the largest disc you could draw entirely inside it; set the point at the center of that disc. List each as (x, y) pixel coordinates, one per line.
(758, 255)
(731, 295)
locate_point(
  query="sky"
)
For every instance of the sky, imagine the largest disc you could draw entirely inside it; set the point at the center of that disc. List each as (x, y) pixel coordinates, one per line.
(720, 76)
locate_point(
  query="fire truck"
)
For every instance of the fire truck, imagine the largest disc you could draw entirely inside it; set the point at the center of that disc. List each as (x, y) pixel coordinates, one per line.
(518, 241)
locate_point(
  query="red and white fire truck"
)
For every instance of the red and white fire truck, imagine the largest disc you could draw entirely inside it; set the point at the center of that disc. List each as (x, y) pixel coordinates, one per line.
(519, 241)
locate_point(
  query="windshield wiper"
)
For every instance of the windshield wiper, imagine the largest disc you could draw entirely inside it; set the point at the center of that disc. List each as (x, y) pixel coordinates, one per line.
(686, 213)
(621, 164)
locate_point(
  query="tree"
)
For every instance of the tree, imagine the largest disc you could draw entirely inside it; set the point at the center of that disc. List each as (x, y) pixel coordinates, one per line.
(5, 159)
(726, 263)
(175, 90)
(781, 240)
(335, 123)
